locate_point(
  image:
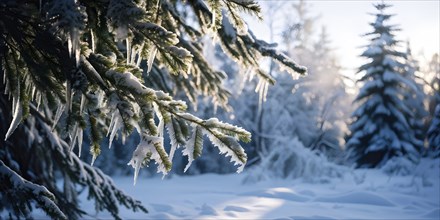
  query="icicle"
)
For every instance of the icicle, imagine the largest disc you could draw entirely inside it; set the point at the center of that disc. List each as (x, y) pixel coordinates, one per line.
(213, 20)
(6, 83)
(136, 165)
(93, 160)
(113, 133)
(38, 100)
(58, 114)
(69, 45)
(80, 140)
(73, 139)
(73, 44)
(6, 88)
(138, 62)
(261, 88)
(74, 38)
(139, 58)
(77, 52)
(151, 59)
(34, 89)
(17, 112)
(266, 88)
(40, 6)
(134, 52)
(14, 104)
(92, 36)
(257, 88)
(249, 74)
(113, 128)
(127, 41)
(111, 123)
(17, 115)
(69, 97)
(83, 103)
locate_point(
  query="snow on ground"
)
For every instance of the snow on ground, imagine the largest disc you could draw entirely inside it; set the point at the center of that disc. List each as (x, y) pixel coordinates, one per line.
(359, 194)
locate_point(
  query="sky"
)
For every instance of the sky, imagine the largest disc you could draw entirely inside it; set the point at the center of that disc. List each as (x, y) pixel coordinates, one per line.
(346, 21)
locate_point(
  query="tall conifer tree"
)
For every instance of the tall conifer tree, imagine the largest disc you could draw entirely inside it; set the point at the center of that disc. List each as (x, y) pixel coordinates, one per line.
(433, 134)
(415, 98)
(381, 124)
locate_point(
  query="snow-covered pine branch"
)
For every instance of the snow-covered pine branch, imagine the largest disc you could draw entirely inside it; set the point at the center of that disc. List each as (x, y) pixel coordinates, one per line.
(101, 187)
(104, 64)
(228, 146)
(15, 187)
(248, 6)
(150, 148)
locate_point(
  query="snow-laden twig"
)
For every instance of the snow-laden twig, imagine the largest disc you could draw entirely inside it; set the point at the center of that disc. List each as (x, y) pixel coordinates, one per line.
(193, 147)
(173, 139)
(13, 182)
(147, 147)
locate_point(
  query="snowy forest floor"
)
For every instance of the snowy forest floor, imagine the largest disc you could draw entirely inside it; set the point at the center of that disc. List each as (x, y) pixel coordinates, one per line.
(358, 194)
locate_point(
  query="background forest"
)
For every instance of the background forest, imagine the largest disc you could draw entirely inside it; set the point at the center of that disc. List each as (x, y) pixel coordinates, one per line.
(188, 90)
(316, 111)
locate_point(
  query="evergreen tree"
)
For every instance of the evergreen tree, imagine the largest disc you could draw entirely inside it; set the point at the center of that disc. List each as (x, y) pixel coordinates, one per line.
(381, 124)
(434, 133)
(307, 107)
(434, 93)
(75, 68)
(414, 98)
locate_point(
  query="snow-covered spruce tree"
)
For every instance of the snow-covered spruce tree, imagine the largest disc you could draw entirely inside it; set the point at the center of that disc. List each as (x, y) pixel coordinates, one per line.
(306, 108)
(381, 124)
(433, 134)
(415, 98)
(74, 68)
(434, 94)
(303, 121)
